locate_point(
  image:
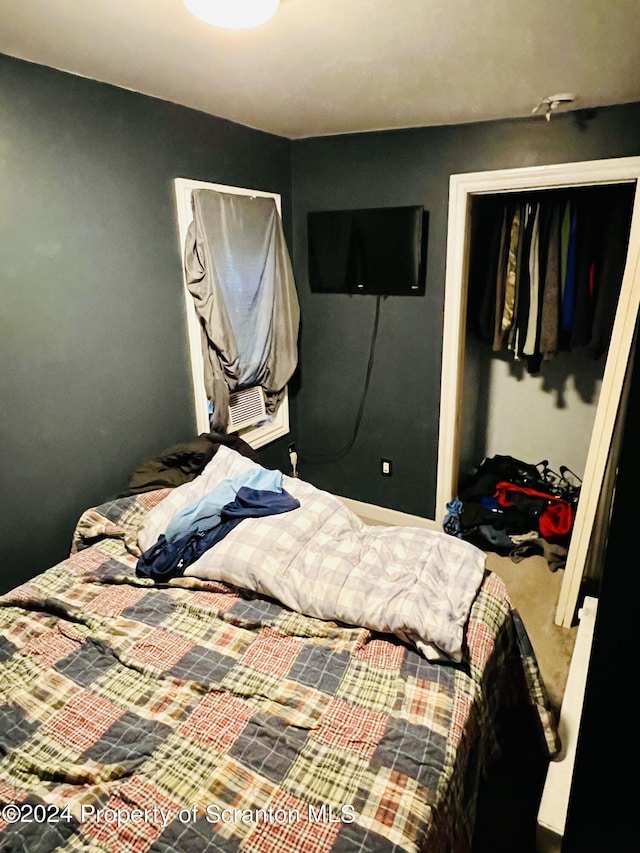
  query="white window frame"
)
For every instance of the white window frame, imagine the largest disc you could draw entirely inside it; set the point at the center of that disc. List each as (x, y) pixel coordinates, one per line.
(278, 425)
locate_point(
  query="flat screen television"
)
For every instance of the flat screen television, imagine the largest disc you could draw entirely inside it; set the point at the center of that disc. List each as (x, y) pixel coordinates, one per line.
(380, 250)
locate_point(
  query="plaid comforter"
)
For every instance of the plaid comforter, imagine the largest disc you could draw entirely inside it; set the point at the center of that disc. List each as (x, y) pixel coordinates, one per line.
(194, 717)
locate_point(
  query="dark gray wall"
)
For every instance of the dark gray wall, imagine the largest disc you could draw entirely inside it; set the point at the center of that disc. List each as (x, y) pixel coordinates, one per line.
(394, 168)
(94, 364)
(93, 352)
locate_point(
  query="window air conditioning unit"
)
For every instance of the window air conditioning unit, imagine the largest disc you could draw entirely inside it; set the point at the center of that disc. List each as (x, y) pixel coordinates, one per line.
(246, 408)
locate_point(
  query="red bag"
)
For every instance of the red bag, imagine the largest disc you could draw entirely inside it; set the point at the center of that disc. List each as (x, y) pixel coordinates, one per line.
(556, 519)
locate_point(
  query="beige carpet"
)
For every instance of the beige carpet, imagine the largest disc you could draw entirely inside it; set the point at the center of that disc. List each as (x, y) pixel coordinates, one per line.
(534, 590)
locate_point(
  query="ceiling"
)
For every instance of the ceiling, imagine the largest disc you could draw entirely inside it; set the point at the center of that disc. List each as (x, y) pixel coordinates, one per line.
(341, 66)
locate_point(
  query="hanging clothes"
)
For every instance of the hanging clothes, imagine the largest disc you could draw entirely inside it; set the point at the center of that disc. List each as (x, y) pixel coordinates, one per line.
(546, 269)
(551, 288)
(531, 331)
(588, 254)
(510, 276)
(501, 276)
(239, 273)
(615, 238)
(521, 309)
(569, 287)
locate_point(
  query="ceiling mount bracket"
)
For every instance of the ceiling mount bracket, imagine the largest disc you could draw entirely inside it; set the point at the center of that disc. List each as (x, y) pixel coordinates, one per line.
(551, 103)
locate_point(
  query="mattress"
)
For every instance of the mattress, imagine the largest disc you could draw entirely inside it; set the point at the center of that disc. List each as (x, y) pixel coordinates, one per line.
(195, 715)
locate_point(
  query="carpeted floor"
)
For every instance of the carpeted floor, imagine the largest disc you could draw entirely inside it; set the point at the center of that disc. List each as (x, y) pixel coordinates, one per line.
(509, 800)
(534, 590)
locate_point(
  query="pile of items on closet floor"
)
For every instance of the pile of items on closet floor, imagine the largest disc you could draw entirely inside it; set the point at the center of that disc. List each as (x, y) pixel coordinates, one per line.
(516, 509)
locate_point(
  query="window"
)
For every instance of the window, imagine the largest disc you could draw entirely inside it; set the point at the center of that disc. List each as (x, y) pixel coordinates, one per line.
(274, 427)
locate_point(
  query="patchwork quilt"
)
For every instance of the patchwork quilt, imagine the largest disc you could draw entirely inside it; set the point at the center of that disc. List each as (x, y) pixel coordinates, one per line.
(195, 716)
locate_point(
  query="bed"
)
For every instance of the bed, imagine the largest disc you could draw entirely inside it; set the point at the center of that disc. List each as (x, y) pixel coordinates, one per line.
(202, 713)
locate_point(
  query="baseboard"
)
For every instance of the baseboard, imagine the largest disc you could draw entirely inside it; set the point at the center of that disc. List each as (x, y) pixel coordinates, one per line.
(372, 514)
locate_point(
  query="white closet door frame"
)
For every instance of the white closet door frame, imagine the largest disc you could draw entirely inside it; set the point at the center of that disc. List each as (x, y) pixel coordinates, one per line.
(461, 190)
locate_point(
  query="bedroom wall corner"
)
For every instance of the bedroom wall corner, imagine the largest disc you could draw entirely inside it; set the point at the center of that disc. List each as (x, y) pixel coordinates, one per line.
(401, 417)
(95, 376)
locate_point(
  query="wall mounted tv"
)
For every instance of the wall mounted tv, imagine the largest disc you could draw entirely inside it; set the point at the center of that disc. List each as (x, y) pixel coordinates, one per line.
(380, 250)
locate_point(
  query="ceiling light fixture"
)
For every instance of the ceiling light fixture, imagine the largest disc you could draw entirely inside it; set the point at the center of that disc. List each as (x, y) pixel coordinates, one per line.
(233, 14)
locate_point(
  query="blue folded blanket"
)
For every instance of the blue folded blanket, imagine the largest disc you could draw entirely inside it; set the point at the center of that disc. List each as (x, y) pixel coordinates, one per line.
(168, 559)
(205, 512)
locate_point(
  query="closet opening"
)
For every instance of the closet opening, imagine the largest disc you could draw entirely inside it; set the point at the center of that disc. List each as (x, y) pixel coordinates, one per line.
(538, 374)
(545, 270)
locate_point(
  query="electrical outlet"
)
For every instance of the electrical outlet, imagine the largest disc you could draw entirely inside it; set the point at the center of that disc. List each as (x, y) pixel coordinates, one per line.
(385, 467)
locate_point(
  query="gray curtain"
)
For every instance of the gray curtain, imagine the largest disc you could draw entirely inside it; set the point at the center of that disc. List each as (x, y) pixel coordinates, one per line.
(239, 273)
